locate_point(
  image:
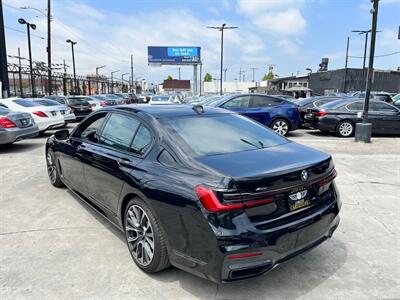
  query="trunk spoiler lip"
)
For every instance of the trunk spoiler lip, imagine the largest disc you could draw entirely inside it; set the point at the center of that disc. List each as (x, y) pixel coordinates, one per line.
(234, 193)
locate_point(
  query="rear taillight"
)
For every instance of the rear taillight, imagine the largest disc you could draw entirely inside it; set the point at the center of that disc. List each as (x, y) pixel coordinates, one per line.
(102, 103)
(6, 123)
(40, 114)
(211, 203)
(321, 113)
(328, 179)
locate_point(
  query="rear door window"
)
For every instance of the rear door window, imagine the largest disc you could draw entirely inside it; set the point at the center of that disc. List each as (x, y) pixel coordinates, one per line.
(355, 106)
(142, 141)
(238, 102)
(262, 101)
(119, 131)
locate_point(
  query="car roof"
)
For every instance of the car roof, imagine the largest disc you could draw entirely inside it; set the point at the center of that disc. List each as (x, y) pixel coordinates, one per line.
(161, 111)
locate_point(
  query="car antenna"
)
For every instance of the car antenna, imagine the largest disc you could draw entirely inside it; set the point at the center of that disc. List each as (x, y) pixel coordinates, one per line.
(198, 108)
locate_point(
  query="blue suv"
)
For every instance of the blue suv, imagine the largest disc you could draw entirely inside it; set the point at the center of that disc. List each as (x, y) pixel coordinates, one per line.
(280, 115)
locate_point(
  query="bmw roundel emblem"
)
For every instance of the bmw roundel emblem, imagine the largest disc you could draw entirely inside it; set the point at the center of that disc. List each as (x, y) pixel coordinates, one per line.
(304, 175)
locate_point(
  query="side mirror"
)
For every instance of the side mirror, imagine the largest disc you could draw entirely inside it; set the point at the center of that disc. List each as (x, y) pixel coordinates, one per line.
(62, 134)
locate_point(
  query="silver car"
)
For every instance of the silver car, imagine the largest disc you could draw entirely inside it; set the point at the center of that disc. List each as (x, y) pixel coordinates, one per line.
(15, 126)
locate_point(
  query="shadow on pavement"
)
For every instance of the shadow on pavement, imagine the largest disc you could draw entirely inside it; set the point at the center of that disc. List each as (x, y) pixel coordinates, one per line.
(19, 147)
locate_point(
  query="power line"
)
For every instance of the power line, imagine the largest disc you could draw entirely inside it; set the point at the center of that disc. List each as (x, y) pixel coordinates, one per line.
(382, 55)
(20, 31)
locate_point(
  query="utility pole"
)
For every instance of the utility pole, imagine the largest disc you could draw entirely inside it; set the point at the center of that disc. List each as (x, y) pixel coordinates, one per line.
(179, 73)
(201, 78)
(65, 79)
(254, 73)
(20, 73)
(73, 65)
(363, 130)
(222, 28)
(225, 70)
(131, 73)
(244, 75)
(240, 74)
(50, 86)
(5, 87)
(345, 66)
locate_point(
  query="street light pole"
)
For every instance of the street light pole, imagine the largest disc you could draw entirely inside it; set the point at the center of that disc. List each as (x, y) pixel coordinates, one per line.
(131, 73)
(222, 28)
(112, 81)
(50, 86)
(97, 78)
(363, 130)
(28, 28)
(122, 77)
(73, 64)
(48, 16)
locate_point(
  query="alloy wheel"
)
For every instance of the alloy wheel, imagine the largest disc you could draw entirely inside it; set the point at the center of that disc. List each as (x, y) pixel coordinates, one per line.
(51, 167)
(346, 128)
(280, 127)
(139, 234)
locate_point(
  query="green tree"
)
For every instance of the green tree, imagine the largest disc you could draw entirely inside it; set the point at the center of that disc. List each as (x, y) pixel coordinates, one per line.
(268, 76)
(169, 77)
(208, 77)
(398, 69)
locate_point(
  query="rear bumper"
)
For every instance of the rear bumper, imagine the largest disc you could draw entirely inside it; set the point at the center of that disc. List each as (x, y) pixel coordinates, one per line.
(284, 246)
(14, 135)
(323, 124)
(256, 251)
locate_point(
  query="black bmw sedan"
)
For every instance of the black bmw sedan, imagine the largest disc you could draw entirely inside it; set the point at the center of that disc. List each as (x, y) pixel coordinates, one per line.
(203, 189)
(341, 116)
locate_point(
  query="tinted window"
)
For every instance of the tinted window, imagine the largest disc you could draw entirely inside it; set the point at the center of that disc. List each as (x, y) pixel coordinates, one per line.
(90, 130)
(26, 103)
(78, 101)
(238, 102)
(46, 102)
(160, 98)
(119, 131)
(234, 134)
(322, 102)
(383, 107)
(141, 141)
(356, 106)
(261, 101)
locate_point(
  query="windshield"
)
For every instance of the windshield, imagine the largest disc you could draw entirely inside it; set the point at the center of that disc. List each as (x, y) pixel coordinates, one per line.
(78, 101)
(26, 103)
(160, 98)
(235, 133)
(46, 102)
(112, 97)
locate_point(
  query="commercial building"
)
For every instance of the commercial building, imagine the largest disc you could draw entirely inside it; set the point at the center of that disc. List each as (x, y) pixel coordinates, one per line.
(352, 79)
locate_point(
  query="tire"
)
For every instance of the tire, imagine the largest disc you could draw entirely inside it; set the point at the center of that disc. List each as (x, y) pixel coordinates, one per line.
(52, 170)
(280, 126)
(139, 244)
(345, 128)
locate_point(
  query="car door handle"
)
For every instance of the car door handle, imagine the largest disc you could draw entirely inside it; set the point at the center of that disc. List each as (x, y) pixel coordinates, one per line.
(124, 162)
(80, 147)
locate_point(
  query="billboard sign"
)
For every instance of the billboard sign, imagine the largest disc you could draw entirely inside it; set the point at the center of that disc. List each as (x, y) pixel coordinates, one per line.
(173, 55)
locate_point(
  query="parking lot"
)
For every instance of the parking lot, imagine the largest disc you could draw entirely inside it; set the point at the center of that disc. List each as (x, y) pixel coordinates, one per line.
(53, 246)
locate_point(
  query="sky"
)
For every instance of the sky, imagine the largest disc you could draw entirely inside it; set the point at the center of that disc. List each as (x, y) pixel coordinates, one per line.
(291, 35)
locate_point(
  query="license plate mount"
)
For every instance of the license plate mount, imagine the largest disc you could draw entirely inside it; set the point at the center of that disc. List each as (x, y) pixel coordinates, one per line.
(298, 199)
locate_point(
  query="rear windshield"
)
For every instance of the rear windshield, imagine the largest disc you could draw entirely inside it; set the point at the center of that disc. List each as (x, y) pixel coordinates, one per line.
(221, 134)
(160, 98)
(78, 101)
(26, 103)
(4, 111)
(48, 102)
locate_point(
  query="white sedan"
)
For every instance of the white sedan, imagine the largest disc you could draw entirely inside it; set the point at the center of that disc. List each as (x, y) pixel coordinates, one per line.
(46, 117)
(65, 111)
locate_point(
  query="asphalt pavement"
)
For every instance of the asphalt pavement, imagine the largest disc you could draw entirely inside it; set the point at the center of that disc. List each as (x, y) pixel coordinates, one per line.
(52, 246)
